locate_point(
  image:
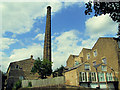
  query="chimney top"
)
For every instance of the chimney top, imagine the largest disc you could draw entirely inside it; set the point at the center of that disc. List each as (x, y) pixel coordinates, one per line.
(48, 7)
(31, 56)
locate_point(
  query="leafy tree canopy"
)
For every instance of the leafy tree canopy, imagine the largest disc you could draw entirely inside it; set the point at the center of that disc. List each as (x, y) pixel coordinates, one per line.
(4, 77)
(58, 71)
(100, 7)
(42, 67)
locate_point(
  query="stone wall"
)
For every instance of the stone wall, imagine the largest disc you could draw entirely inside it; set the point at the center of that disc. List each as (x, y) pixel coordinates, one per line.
(44, 82)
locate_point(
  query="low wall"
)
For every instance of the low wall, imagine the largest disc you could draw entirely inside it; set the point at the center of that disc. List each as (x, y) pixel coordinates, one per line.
(44, 82)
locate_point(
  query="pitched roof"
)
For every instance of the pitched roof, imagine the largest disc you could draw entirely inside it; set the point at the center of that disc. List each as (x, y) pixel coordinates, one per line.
(26, 66)
(103, 38)
(75, 67)
(23, 64)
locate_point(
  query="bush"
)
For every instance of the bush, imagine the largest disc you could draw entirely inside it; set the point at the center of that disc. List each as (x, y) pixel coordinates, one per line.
(29, 84)
(17, 85)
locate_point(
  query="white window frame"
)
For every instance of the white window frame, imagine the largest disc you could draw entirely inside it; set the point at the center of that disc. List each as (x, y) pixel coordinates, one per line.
(87, 66)
(84, 76)
(21, 77)
(93, 63)
(17, 67)
(101, 75)
(104, 69)
(104, 60)
(87, 73)
(93, 76)
(109, 77)
(76, 63)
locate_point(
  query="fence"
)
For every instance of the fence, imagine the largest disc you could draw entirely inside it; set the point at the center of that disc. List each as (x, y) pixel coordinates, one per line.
(44, 82)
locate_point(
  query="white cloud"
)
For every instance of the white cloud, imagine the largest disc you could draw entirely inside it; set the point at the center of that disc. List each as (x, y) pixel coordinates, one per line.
(39, 37)
(89, 43)
(45, 0)
(64, 45)
(35, 50)
(3, 61)
(21, 54)
(68, 4)
(96, 27)
(6, 42)
(18, 17)
(101, 26)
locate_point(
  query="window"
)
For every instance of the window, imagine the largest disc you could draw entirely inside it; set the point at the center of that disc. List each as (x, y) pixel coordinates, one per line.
(109, 77)
(94, 63)
(93, 76)
(104, 61)
(76, 62)
(12, 66)
(104, 68)
(17, 66)
(87, 67)
(83, 77)
(20, 77)
(101, 77)
(119, 44)
(88, 56)
(95, 53)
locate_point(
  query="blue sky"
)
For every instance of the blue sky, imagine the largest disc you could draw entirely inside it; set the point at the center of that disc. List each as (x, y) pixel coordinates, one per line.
(23, 26)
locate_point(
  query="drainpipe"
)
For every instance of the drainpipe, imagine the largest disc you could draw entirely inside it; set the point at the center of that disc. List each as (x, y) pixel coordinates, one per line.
(106, 79)
(97, 79)
(96, 66)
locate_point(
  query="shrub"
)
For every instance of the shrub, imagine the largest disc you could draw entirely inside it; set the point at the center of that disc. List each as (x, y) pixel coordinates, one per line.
(29, 84)
(17, 85)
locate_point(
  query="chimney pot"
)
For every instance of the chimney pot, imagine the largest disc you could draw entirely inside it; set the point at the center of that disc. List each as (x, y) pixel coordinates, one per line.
(48, 7)
(31, 56)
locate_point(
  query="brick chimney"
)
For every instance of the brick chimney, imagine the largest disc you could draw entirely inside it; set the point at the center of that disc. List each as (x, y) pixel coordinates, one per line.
(47, 40)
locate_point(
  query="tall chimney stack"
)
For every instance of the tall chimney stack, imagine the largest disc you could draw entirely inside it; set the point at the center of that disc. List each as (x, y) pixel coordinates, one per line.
(47, 41)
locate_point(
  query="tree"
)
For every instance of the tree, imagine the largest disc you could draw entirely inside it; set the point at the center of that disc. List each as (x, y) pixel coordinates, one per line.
(58, 71)
(43, 68)
(17, 85)
(100, 7)
(3, 77)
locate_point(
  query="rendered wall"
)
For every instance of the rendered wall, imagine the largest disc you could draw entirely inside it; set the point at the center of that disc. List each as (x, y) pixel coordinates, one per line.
(44, 82)
(71, 78)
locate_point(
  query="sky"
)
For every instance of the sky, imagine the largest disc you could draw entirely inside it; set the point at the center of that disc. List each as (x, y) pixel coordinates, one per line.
(22, 30)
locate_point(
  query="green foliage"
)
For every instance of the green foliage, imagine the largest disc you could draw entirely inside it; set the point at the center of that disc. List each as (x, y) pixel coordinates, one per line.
(100, 7)
(17, 85)
(29, 84)
(4, 77)
(58, 71)
(43, 68)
